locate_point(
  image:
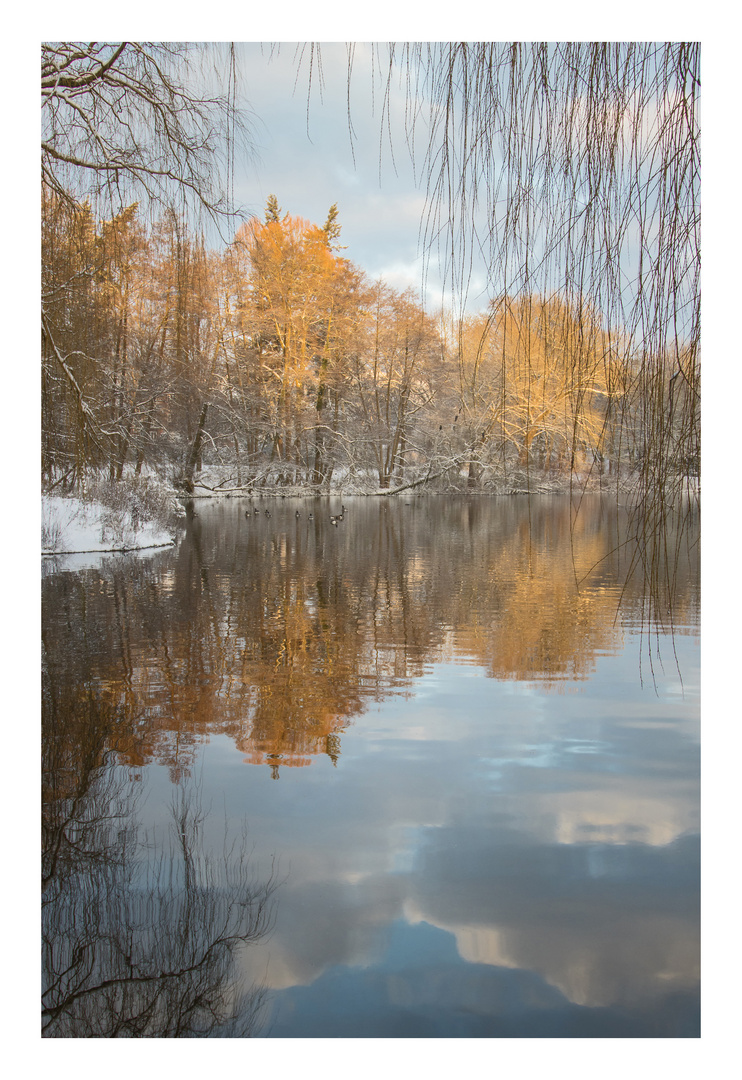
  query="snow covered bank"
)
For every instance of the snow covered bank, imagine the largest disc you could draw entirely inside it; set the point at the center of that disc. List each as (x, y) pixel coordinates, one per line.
(111, 518)
(70, 525)
(227, 481)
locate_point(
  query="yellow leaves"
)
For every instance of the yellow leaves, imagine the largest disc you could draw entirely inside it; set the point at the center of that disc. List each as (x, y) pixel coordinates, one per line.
(552, 371)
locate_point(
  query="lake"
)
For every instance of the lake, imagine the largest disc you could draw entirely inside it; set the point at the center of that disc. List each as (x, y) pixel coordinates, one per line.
(430, 770)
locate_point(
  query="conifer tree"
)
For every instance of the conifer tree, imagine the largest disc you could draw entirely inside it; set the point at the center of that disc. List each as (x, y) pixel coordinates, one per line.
(272, 210)
(332, 229)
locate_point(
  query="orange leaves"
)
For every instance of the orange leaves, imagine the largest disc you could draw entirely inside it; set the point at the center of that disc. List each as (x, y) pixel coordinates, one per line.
(293, 281)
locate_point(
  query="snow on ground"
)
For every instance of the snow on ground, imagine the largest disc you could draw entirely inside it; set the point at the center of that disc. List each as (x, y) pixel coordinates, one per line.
(71, 526)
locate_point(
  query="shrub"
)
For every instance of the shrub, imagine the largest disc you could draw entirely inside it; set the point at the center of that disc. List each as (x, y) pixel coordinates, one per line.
(131, 504)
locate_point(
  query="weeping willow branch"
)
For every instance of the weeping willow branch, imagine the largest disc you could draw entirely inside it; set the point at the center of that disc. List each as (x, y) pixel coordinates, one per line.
(571, 170)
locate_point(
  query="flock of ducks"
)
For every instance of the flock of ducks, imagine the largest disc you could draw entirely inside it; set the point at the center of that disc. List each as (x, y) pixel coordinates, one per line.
(335, 519)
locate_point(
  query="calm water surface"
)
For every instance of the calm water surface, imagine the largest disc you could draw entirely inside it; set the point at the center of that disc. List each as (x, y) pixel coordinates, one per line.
(426, 772)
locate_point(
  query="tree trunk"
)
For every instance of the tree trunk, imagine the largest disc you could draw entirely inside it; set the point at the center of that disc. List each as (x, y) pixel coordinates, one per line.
(123, 451)
(140, 449)
(195, 452)
(400, 465)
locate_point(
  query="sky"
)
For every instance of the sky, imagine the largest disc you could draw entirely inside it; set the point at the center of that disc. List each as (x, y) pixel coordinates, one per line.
(304, 155)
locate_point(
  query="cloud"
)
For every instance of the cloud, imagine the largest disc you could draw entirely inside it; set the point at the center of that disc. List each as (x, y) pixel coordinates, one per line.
(494, 829)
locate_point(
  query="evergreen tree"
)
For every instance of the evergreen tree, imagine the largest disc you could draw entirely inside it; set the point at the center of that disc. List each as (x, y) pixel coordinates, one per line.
(332, 229)
(272, 210)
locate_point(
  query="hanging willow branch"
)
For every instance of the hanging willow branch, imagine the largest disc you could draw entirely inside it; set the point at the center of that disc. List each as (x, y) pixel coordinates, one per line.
(572, 171)
(572, 167)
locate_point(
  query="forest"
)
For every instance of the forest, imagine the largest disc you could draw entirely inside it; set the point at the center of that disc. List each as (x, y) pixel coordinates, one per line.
(281, 360)
(275, 363)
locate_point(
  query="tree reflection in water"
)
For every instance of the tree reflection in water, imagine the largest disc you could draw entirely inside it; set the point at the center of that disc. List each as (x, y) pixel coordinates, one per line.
(278, 636)
(140, 934)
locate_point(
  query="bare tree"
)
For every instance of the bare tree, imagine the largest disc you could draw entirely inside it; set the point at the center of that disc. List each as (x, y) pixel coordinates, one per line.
(143, 120)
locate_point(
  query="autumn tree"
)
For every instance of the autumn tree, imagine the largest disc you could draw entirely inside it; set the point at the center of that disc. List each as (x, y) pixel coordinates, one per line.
(553, 378)
(341, 330)
(272, 210)
(391, 382)
(471, 419)
(290, 271)
(295, 319)
(71, 432)
(125, 254)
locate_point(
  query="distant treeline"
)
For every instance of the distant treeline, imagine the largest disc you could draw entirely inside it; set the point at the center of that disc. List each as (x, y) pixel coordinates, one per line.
(280, 358)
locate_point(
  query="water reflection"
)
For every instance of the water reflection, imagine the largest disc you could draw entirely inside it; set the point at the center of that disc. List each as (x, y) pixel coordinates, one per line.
(420, 988)
(140, 932)
(489, 820)
(579, 870)
(279, 631)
